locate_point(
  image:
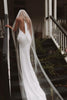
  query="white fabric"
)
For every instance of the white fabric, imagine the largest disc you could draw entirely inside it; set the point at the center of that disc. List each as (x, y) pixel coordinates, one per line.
(31, 85)
(30, 88)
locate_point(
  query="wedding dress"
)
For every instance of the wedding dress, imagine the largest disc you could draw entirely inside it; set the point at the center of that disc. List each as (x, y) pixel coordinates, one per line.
(27, 59)
(31, 85)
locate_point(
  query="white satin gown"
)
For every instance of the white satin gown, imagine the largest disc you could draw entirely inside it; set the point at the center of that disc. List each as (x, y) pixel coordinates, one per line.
(31, 85)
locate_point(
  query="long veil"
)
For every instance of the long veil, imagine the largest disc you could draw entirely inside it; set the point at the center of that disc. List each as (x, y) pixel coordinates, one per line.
(45, 82)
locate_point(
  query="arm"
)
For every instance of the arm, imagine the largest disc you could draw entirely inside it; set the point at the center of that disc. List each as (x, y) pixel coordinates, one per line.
(9, 26)
(15, 27)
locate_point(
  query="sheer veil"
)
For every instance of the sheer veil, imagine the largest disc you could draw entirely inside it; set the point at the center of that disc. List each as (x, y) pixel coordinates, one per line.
(14, 35)
(35, 63)
(32, 50)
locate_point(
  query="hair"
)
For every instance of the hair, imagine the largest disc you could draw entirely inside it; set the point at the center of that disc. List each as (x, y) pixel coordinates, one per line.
(26, 18)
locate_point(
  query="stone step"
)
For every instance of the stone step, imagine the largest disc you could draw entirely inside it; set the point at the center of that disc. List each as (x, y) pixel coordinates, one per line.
(62, 90)
(60, 79)
(65, 98)
(12, 98)
(13, 59)
(17, 96)
(14, 69)
(61, 67)
(14, 76)
(61, 71)
(15, 87)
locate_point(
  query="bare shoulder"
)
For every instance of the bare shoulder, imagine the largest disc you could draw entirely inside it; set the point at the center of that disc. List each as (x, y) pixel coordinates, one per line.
(19, 19)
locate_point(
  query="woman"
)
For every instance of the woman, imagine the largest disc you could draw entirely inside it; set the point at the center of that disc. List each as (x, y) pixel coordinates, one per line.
(31, 85)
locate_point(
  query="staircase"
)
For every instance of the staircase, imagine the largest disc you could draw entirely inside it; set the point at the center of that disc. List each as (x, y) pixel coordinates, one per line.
(50, 56)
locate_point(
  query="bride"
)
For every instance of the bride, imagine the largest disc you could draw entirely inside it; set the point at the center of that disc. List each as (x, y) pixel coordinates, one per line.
(31, 84)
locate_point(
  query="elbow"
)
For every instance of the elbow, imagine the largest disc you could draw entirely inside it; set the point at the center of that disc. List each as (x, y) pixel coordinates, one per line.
(14, 30)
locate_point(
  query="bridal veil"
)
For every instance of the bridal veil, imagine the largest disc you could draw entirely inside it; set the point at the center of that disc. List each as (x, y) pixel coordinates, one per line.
(49, 89)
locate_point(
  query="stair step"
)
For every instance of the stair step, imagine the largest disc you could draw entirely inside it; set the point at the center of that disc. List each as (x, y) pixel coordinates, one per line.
(61, 71)
(62, 90)
(14, 76)
(65, 98)
(60, 68)
(13, 68)
(60, 79)
(15, 87)
(15, 83)
(17, 97)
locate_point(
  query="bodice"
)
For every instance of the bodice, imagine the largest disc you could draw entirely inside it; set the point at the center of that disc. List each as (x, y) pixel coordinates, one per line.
(24, 39)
